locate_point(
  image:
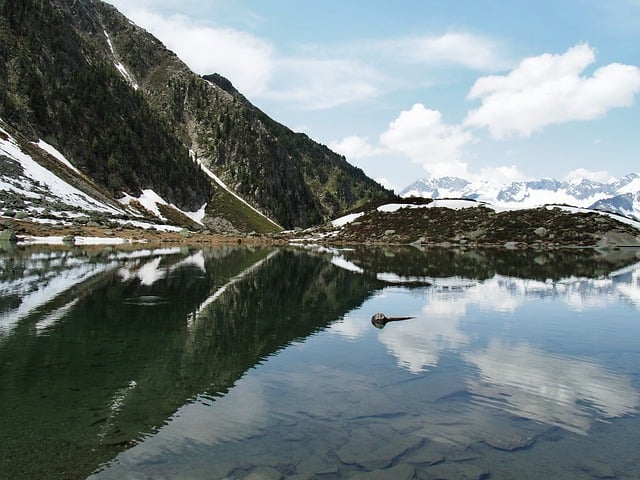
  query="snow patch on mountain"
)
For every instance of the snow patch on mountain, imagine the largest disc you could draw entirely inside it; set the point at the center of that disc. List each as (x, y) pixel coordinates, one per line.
(616, 216)
(150, 201)
(25, 178)
(51, 150)
(36, 181)
(119, 66)
(218, 181)
(620, 196)
(454, 204)
(342, 221)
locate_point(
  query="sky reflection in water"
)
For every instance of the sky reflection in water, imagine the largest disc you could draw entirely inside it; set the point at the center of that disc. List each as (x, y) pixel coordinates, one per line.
(510, 373)
(479, 356)
(280, 368)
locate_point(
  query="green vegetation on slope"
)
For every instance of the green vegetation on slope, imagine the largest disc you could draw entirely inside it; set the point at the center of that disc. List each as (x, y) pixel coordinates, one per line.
(59, 82)
(288, 176)
(56, 83)
(225, 206)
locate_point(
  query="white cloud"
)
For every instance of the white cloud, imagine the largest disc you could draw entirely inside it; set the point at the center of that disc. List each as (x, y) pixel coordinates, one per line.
(386, 183)
(243, 58)
(421, 135)
(354, 147)
(502, 175)
(600, 176)
(458, 48)
(317, 83)
(418, 345)
(549, 89)
(350, 327)
(254, 66)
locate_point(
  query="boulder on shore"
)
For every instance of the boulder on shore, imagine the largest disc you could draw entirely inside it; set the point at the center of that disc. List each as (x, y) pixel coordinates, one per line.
(8, 235)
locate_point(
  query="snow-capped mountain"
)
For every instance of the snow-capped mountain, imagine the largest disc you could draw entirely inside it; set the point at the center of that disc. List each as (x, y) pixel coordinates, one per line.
(619, 196)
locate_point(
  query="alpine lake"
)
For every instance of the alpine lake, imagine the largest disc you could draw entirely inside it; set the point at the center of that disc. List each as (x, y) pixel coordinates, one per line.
(264, 363)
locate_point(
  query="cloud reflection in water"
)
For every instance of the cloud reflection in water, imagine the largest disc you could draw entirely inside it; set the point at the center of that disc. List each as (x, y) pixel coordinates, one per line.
(516, 376)
(556, 390)
(418, 345)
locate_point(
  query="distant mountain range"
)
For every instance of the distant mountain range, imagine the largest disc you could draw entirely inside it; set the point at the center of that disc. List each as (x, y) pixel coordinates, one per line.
(621, 196)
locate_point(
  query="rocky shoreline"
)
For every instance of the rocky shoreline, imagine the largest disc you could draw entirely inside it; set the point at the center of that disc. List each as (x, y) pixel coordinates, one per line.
(480, 227)
(26, 232)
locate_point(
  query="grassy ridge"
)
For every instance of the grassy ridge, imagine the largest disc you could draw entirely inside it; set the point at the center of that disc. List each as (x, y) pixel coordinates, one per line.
(224, 205)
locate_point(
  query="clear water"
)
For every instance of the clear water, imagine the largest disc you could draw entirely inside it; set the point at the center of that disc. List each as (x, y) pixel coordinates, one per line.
(264, 364)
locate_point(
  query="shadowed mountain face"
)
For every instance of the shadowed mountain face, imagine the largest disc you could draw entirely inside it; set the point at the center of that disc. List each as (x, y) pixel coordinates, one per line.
(126, 111)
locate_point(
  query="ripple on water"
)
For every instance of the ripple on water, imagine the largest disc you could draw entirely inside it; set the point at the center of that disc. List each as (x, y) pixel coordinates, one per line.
(145, 301)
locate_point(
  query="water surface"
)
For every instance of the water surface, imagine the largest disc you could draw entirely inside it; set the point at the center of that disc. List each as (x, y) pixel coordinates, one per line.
(263, 363)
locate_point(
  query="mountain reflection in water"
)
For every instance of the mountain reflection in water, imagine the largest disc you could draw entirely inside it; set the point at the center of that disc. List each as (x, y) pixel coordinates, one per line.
(163, 354)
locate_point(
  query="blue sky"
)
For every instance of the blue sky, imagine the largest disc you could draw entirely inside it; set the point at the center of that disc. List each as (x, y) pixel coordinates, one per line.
(423, 88)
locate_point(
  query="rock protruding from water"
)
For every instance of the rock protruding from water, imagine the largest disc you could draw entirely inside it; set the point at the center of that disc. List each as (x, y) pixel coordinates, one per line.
(379, 320)
(8, 235)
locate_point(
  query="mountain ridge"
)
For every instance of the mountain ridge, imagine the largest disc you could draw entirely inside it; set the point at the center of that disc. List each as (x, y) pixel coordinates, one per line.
(129, 114)
(621, 196)
(293, 179)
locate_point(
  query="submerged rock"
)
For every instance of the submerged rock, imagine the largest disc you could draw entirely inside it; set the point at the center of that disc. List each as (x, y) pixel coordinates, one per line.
(618, 239)
(398, 472)
(596, 469)
(372, 449)
(463, 471)
(425, 457)
(509, 442)
(264, 473)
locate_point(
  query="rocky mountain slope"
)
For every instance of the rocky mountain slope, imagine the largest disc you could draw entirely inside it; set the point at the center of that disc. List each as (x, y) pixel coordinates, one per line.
(129, 116)
(470, 224)
(620, 196)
